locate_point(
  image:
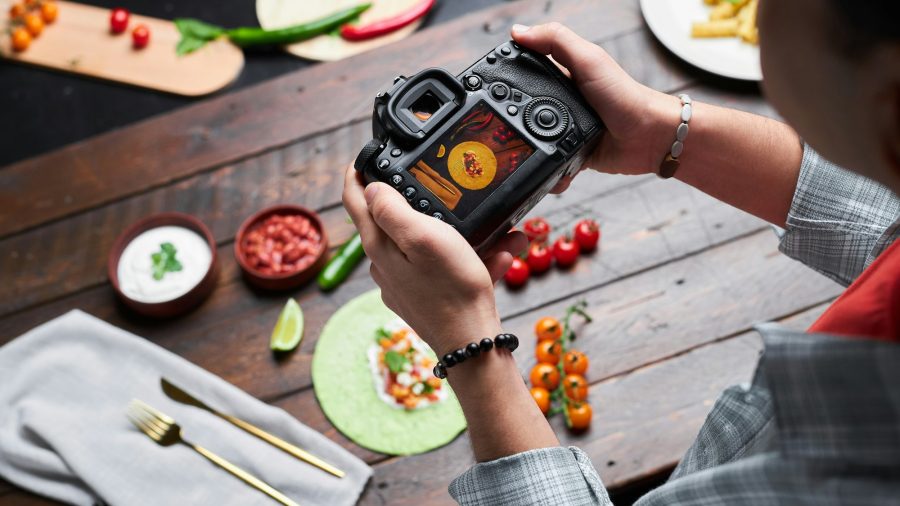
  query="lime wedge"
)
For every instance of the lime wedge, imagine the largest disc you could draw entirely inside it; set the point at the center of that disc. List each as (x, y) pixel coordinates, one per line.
(289, 330)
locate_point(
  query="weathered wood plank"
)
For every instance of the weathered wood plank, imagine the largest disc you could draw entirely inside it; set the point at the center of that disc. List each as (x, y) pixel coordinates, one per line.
(643, 423)
(223, 129)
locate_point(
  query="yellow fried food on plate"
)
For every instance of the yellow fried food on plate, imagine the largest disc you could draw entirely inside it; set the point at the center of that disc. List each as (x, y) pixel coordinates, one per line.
(729, 18)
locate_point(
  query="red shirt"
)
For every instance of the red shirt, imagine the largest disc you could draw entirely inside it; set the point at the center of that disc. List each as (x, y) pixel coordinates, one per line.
(870, 307)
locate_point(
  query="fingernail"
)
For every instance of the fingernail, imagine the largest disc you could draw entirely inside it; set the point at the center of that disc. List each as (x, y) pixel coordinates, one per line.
(520, 28)
(370, 192)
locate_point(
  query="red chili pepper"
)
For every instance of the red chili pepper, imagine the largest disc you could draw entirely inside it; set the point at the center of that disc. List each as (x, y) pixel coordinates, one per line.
(388, 25)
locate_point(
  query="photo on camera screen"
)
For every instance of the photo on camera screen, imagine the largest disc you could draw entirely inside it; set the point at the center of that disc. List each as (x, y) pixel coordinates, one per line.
(469, 161)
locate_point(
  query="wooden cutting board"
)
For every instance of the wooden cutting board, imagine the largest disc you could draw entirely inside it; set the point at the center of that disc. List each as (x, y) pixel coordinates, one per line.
(80, 42)
(280, 13)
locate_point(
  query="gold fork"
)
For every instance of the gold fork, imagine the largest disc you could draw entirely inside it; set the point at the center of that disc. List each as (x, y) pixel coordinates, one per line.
(166, 432)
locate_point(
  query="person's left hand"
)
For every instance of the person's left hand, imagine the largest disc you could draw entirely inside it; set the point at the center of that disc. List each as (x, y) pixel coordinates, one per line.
(428, 273)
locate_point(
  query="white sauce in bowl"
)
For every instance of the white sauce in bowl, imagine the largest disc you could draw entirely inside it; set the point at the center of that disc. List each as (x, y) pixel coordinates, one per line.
(135, 268)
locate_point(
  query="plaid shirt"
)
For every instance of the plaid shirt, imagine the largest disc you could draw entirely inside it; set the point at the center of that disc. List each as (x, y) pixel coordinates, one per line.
(820, 423)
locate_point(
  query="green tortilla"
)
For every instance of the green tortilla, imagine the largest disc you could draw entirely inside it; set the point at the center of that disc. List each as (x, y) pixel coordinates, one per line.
(346, 390)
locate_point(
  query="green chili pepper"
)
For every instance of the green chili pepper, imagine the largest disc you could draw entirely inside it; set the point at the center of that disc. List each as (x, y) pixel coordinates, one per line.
(257, 36)
(195, 33)
(339, 267)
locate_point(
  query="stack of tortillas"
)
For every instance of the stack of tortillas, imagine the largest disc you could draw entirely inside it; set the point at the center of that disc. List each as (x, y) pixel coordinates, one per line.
(281, 13)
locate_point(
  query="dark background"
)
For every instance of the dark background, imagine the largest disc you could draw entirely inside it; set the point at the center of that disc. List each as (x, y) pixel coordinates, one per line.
(41, 110)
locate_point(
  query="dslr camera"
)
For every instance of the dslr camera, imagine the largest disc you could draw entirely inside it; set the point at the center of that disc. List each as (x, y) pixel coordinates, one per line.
(480, 149)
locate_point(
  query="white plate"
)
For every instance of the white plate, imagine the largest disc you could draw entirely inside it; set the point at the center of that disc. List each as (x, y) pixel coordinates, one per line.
(671, 20)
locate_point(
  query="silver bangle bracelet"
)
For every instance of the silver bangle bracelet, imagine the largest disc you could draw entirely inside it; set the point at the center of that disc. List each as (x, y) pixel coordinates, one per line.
(670, 164)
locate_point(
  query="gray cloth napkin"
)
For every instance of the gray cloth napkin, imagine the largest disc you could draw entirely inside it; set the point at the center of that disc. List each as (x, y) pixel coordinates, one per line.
(64, 388)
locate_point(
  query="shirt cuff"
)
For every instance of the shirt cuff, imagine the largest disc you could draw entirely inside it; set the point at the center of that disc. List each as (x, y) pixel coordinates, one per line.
(545, 476)
(838, 220)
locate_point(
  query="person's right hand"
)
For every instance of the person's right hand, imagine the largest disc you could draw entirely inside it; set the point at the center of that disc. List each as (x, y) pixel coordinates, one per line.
(640, 122)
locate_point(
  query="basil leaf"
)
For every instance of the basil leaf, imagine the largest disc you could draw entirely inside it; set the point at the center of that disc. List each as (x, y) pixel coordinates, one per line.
(195, 34)
(395, 361)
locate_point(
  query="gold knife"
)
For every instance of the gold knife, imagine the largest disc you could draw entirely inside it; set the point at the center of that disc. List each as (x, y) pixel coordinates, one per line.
(177, 394)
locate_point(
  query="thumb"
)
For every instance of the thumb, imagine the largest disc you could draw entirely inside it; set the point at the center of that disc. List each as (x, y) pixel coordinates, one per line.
(394, 215)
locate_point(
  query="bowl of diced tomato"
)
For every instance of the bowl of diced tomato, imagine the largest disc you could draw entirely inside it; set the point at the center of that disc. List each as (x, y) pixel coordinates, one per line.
(281, 247)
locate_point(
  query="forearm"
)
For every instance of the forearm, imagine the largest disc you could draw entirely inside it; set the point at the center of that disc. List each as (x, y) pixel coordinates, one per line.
(502, 417)
(745, 160)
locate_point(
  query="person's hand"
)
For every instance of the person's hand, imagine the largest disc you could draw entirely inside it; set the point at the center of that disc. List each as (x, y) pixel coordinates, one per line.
(429, 275)
(640, 122)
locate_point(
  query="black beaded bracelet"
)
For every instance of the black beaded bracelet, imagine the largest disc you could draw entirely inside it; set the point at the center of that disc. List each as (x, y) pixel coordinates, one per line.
(508, 341)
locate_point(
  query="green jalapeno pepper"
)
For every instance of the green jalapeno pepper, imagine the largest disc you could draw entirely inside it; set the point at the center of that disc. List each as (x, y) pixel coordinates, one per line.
(339, 267)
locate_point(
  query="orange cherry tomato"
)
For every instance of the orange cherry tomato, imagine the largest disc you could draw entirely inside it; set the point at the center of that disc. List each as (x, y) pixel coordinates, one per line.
(542, 397)
(545, 375)
(548, 328)
(49, 12)
(31, 3)
(579, 415)
(21, 39)
(16, 11)
(547, 352)
(34, 24)
(575, 362)
(576, 387)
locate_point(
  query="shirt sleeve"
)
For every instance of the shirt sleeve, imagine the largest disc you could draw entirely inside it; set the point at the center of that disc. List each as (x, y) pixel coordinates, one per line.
(546, 476)
(839, 222)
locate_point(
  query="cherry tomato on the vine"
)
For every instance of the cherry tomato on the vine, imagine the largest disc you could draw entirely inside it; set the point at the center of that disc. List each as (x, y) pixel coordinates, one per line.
(565, 252)
(576, 387)
(49, 12)
(579, 415)
(34, 24)
(518, 273)
(545, 375)
(548, 328)
(118, 20)
(575, 362)
(21, 39)
(539, 258)
(17, 10)
(542, 397)
(547, 352)
(140, 36)
(587, 235)
(537, 229)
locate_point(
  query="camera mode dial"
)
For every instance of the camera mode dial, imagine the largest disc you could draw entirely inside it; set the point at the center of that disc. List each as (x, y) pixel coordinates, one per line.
(546, 117)
(368, 153)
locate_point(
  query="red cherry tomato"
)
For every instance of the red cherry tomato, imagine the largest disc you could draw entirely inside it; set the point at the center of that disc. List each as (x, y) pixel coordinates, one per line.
(587, 234)
(118, 20)
(536, 229)
(539, 258)
(518, 273)
(140, 36)
(565, 251)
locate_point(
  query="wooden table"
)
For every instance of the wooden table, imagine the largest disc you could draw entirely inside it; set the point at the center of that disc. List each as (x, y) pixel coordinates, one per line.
(674, 291)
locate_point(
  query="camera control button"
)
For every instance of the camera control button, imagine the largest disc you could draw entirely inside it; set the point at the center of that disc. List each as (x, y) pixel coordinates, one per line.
(505, 51)
(396, 180)
(547, 118)
(409, 192)
(500, 91)
(512, 110)
(573, 139)
(423, 205)
(517, 96)
(492, 59)
(473, 82)
(396, 152)
(437, 215)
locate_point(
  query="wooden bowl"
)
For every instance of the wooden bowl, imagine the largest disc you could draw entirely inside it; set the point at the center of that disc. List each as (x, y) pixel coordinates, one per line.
(283, 280)
(178, 305)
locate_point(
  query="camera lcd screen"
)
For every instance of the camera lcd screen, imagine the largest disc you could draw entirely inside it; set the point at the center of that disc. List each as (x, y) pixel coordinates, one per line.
(471, 159)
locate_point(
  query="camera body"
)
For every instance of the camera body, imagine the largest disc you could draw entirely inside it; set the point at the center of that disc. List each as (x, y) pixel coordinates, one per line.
(480, 149)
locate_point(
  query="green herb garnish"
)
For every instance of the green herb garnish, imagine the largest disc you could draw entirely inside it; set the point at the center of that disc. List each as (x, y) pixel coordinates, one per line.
(164, 261)
(395, 361)
(382, 334)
